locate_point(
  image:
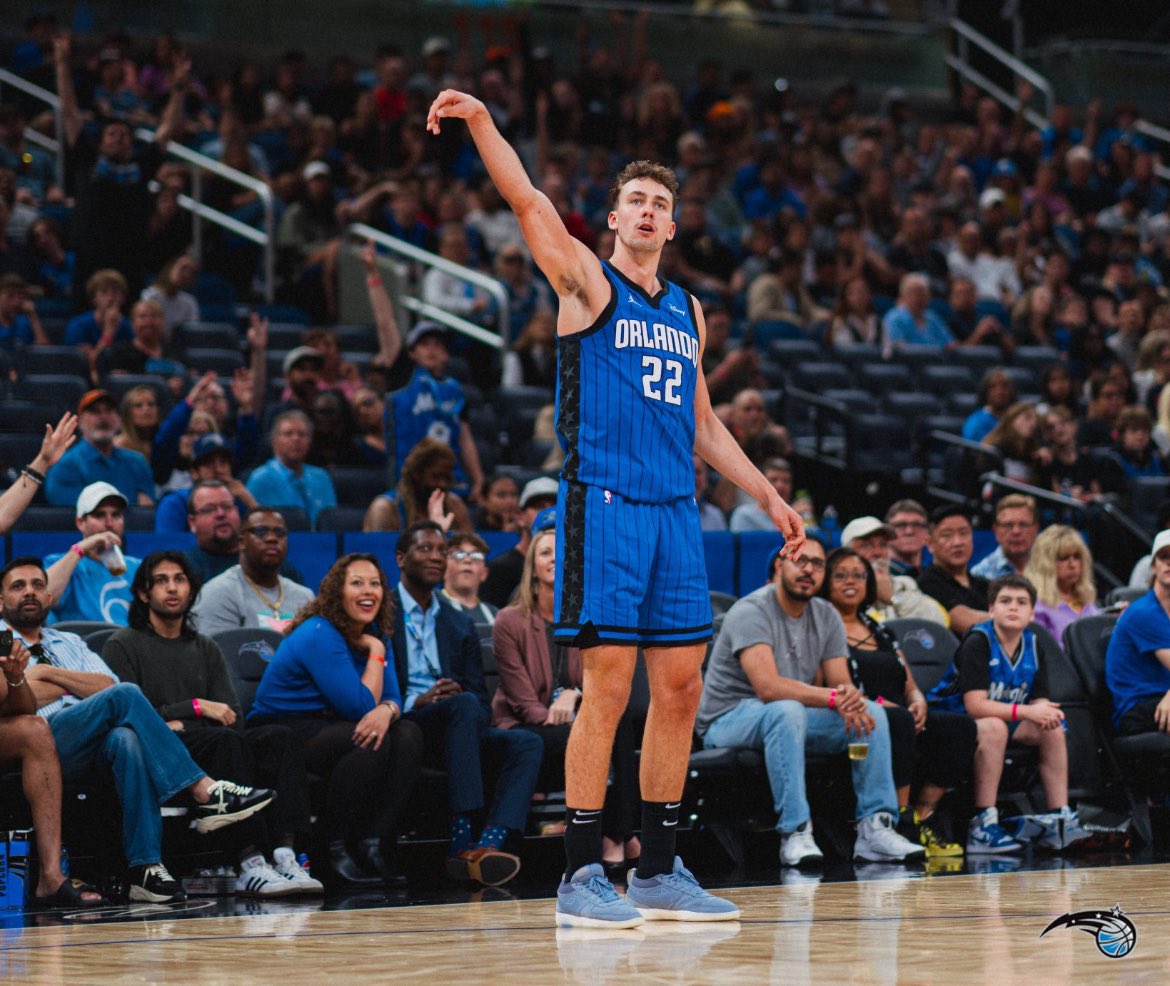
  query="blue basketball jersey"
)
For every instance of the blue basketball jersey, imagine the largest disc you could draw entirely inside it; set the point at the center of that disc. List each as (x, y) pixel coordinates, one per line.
(1008, 682)
(426, 407)
(626, 394)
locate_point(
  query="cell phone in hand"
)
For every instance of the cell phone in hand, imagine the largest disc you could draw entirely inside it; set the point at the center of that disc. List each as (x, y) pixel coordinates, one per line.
(5, 643)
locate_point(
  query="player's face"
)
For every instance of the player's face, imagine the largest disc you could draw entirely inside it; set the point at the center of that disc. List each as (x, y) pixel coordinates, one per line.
(1012, 609)
(170, 591)
(642, 220)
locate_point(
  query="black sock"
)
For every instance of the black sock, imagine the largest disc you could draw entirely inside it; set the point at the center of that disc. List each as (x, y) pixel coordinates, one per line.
(659, 825)
(582, 838)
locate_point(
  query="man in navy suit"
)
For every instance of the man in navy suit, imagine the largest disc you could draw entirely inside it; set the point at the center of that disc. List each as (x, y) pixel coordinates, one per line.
(440, 672)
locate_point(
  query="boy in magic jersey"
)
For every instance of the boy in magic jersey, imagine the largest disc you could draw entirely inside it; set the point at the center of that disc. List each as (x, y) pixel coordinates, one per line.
(632, 408)
(998, 676)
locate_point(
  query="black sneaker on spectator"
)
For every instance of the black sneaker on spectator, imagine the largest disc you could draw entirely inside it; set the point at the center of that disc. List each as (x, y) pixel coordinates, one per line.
(230, 803)
(154, 884)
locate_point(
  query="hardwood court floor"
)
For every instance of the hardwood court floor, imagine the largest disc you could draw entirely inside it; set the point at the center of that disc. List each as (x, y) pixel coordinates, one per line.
(982, 928)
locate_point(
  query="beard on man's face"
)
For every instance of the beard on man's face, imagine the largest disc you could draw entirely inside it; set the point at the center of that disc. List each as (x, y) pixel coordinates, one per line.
(28, 614)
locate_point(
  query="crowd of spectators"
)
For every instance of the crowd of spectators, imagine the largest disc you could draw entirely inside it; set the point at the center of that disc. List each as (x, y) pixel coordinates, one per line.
(799, 218)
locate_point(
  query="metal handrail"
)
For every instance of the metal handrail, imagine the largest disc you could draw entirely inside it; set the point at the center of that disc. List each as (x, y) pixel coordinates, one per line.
(53, 145)
(427, 259)
(968, 35)
(826, 411)
(265, 237)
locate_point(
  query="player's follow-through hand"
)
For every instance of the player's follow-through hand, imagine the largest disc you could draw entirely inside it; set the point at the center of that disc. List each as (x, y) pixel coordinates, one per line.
(789, 523)
(452, 103)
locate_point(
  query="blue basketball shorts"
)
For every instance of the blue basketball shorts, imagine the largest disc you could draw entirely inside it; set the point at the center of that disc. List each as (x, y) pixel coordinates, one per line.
(629, 572)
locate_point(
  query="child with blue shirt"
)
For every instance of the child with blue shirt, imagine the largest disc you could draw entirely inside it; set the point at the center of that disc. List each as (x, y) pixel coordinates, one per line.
(999, 679)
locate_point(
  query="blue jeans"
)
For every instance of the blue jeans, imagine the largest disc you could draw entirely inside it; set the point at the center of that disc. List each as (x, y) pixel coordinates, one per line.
(117, 730)
(784, 731)
(459, 727)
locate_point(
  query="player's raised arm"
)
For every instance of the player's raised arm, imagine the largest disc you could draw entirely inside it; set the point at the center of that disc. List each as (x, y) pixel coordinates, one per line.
(566, 262)
(719, 449)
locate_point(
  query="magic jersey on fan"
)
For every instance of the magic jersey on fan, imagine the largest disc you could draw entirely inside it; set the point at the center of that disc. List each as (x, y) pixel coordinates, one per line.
(1009, 682)
(626, 394)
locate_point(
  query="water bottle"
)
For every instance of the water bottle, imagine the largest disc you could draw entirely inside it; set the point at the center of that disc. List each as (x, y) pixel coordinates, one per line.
(831, 526)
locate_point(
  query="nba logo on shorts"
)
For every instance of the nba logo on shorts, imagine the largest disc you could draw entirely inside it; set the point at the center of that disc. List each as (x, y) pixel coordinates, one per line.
(608, 497)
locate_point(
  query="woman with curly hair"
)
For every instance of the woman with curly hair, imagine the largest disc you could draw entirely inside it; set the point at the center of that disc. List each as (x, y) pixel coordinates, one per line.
(328, 683)
(423, 493)
(1061, 569)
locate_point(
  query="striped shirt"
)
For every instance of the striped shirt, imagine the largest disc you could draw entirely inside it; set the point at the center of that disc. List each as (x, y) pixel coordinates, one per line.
(69, 652)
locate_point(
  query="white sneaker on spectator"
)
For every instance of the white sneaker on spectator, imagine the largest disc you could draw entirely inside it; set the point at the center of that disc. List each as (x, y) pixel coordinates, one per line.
(799, 848)
(879, 842)
(285, 863)
(258, 879)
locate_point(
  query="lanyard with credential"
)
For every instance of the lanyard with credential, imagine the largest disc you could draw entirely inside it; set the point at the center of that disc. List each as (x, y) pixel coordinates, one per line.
(416, 633)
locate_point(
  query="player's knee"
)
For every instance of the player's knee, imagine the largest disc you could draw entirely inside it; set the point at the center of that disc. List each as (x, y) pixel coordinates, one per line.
(680, 694)
(607, 697)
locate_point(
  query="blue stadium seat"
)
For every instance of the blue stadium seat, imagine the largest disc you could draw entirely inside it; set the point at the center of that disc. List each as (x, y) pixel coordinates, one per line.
(143, 543)
(224, 362)
(499, 541)
(719, 551)
(284, 313)
(765, 333)
(341, 519)
(751, 569)
(63, 390)
(313, 553)
(43, 543)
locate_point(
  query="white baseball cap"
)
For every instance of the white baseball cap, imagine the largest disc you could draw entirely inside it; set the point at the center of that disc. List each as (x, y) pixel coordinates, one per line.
(863, 527)
(92, 496)
(1161, 540)
(541, 486)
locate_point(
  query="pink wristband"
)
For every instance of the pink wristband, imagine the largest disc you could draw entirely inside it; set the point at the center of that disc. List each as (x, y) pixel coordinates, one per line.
(880, 700)
(832, 698)
(195, 705)
(1015, 712)
(76, 549)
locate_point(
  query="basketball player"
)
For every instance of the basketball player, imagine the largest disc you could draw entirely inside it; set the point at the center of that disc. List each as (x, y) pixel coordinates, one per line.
(632, 407)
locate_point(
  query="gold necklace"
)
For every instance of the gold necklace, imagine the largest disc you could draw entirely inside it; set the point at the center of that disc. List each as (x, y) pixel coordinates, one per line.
(274, 606)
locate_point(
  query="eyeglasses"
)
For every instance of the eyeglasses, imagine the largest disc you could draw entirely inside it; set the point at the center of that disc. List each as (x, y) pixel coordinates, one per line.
(264, 531)
(841, 577)
(466, 556)
(215, 508)
(814, 564)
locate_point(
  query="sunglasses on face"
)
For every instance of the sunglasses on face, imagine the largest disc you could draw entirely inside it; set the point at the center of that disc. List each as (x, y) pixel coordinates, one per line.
(264, 531)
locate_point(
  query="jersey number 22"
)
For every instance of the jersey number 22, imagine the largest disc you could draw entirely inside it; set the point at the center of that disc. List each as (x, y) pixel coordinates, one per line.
(669, 390)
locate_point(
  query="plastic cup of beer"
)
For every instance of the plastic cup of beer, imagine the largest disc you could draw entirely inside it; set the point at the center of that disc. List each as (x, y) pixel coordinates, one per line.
(113, 560)
(858, 748)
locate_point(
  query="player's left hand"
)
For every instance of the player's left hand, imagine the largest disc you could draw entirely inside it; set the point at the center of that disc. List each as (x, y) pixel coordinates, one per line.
(789, 524)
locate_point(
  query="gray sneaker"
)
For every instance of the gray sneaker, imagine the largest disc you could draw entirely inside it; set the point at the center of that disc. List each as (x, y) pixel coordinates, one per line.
(587, 900)
(676, 896)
